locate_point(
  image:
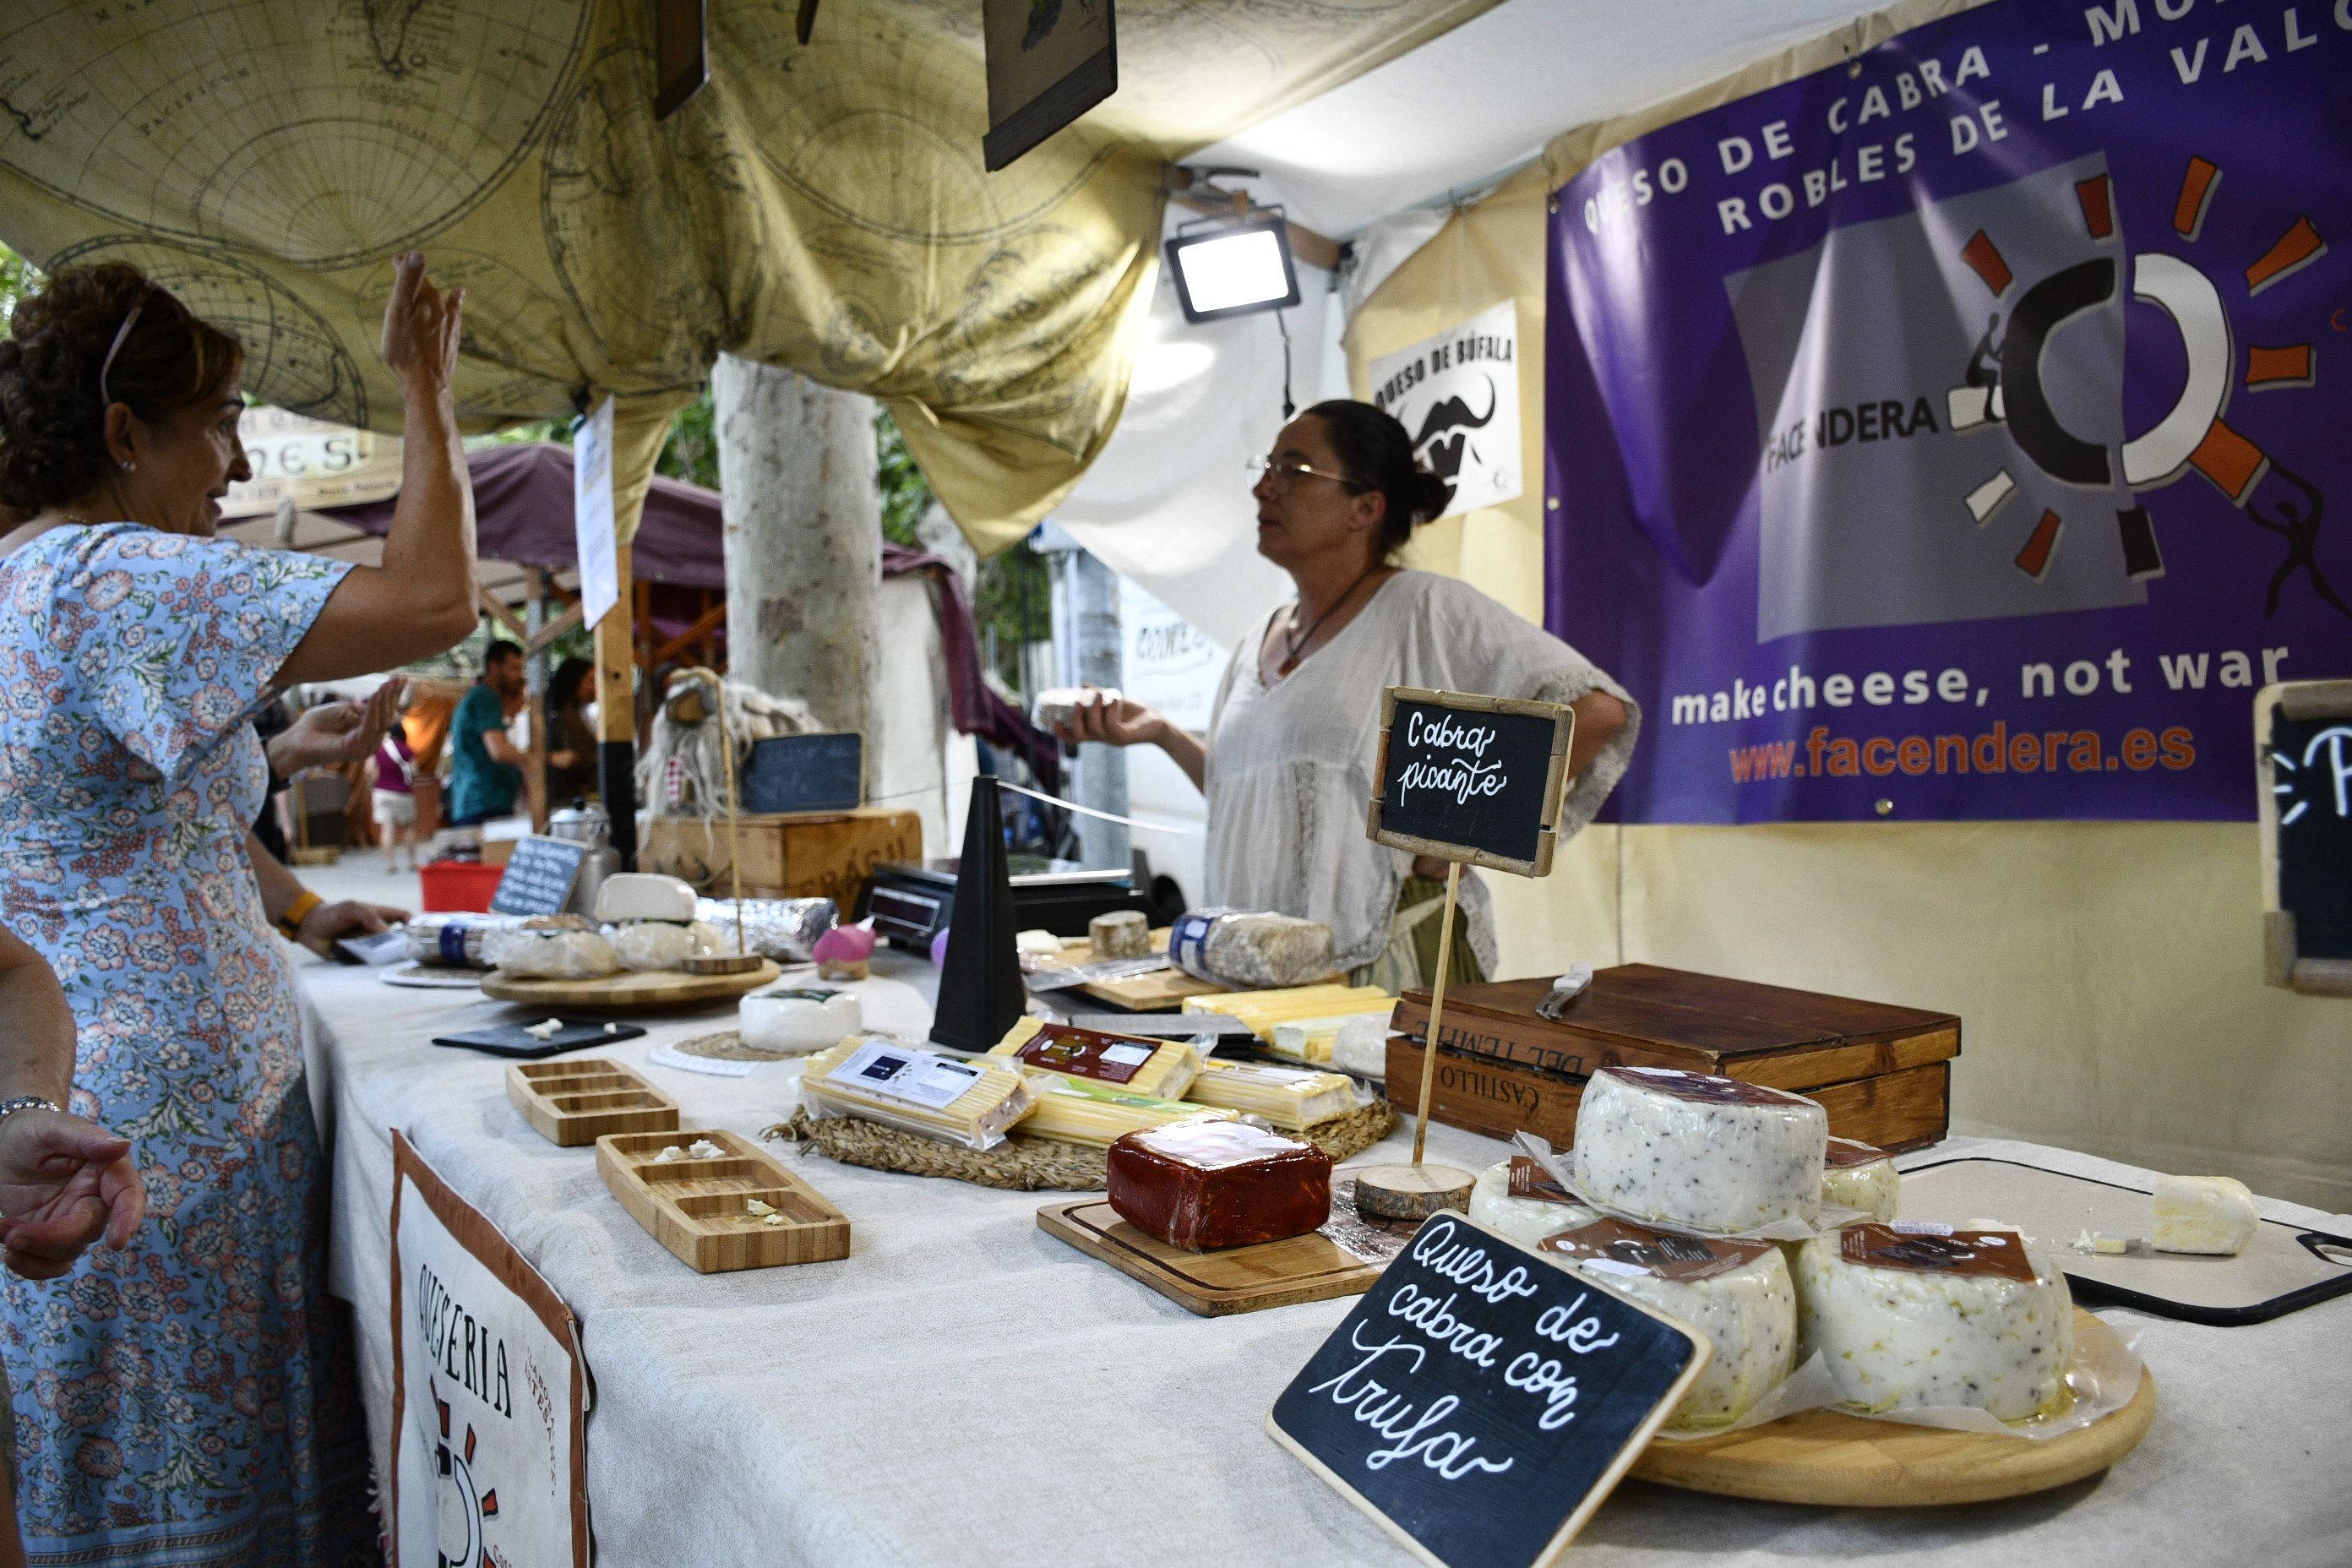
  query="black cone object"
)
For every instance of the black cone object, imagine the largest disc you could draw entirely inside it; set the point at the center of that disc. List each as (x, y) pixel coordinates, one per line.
(980, 994)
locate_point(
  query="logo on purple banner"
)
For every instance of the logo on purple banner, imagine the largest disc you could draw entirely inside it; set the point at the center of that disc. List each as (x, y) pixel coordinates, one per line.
(1949, 427)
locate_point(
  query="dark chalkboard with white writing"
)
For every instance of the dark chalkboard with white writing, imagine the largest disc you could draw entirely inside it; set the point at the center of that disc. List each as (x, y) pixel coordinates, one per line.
(805, 773)
(1471, 778)
(2304, 731)
(538, 878)
(1479, 1403)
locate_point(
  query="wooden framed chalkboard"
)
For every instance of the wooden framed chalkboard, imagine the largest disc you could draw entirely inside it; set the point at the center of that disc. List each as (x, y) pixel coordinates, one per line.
(2303, 767)
(1470, 778)
(1479, 1403)
(790, 773)
(538, 880)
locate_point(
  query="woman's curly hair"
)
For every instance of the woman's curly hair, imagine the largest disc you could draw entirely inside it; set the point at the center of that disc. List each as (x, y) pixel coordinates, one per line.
(52, 418)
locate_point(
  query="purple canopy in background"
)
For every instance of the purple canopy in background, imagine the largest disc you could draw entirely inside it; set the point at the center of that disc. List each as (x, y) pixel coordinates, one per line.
(522, 513)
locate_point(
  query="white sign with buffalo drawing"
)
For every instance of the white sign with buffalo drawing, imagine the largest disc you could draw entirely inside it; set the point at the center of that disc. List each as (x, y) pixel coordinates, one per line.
(1457, 396)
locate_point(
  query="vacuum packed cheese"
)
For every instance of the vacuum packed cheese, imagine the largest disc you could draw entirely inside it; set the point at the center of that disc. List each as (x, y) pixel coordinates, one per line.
(1290, 1097)
(1079, 1111)
(1708, 1153)
(1857, 1176)
(661, 944)
(1518, 1199)
(1263, 1011)
(2204, 1214)
(1121, 933)
(1163, 1069)
(550, 947)
(1734, 1291)
(642, 895)
(971, 1102)
(792, 1022)
(1249, 949)
(1907, 1316)
(1201, 1185)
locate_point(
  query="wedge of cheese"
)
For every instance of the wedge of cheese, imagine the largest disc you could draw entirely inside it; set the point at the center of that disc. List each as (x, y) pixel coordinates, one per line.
(2209, 1215)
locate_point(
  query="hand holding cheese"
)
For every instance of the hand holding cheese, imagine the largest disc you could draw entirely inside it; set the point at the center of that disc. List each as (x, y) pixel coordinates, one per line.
(2210, 1214)
(1703, 1152)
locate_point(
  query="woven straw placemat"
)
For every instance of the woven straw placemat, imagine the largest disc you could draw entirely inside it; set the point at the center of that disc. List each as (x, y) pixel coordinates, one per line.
(725, 1046)
(1021, 1163)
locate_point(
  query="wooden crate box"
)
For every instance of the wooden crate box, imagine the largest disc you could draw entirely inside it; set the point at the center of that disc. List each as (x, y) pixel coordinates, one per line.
(814, 857)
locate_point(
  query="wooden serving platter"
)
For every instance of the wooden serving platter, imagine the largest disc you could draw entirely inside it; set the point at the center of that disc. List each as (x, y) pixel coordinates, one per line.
(697, 1207)
(1310, 1268)
(1830, 1459)
(624, 993)
(575, 1102)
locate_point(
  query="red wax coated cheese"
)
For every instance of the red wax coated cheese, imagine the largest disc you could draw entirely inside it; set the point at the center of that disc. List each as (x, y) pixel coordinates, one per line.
(1201, 1185)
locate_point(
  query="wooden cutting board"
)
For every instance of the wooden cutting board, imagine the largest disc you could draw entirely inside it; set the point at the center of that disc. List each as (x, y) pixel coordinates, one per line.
(627, 993)
(1827, 1457)
(1161, 991)
(700, 1208)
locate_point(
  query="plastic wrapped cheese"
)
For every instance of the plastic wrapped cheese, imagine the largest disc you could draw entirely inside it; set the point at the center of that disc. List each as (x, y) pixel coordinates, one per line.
(1517, 1199)
(1857, 1176)
(661, 944)
(1361, 1046)
(792, 1022)
(1912, 1316)
(1293, 1099)
(1160, 1069)
(1201, 1185)
(1707, 1153)
(1249, 949)
(970, 1103)
(2211, 1215)
(1077, 1111)
(557, 947)
(1734, 1291)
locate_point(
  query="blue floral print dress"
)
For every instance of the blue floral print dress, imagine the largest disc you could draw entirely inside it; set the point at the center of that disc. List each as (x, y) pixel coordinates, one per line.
(191, 1400)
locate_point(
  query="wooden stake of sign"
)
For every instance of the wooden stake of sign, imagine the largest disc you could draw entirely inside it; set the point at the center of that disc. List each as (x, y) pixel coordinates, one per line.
(1487, 751)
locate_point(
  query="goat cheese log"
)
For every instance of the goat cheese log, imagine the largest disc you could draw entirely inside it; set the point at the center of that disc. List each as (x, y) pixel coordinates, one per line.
(1924, 1315)
(1707, 1153)
(1734, 1291)
(1857, 1176)
(1517, 1199)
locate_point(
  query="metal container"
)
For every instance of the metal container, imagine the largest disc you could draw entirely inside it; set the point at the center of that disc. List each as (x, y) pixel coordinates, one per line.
(583, 823)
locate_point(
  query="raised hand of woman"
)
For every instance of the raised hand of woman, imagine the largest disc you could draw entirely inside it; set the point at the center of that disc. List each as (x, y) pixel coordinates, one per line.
(421, 326)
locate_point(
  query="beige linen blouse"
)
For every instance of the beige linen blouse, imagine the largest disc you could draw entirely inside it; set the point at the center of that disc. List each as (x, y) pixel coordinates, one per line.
(1290, 766)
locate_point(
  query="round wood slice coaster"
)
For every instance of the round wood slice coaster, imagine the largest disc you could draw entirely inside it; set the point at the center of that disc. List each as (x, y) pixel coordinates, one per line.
(722, 963)
(1410, 1193)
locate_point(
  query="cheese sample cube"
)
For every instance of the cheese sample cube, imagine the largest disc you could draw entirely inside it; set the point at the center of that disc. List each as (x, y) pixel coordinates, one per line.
(2211, 1215)
(1203, 1185)
(642, 896)
(1707, 1153)
(1857, 1176)
(1293, 1099)
(1734, 1291)
(1517, 1199)
(1163, 1069)
(1911, 1316)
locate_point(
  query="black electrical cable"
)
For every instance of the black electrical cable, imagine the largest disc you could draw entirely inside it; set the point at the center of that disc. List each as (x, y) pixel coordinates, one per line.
(1282, 320)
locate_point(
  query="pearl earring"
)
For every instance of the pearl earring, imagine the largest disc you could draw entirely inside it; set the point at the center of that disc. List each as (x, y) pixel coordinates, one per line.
(129, 467)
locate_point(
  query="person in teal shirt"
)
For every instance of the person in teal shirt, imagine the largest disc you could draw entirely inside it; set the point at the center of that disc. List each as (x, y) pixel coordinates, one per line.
(485, 767)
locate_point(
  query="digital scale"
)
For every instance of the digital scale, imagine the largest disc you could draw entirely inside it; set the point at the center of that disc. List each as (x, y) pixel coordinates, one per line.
(910, 902)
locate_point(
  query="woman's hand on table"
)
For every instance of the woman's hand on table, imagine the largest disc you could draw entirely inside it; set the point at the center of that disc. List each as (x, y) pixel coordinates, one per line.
(64, 1182)
(344, 917)
(1112, 721)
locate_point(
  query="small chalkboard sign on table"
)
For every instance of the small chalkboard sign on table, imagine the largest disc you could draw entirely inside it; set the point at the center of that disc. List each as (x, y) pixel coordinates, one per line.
(1472, 781)
(538, 880)
(2303, 762)
(790, 774)
(1480, 1402)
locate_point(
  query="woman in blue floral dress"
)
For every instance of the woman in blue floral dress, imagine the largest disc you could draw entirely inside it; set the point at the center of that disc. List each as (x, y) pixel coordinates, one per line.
(190, 1400)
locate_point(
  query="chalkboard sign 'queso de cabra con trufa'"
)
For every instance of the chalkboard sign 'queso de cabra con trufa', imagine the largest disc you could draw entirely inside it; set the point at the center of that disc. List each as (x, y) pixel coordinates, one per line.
(1470, 778)
(1480, 1402)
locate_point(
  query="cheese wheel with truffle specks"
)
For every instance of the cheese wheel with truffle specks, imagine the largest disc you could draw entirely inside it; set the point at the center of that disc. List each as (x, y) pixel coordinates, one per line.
(1707, 1153)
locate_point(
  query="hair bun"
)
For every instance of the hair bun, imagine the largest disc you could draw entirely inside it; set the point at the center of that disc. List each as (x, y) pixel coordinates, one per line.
(1431, 495)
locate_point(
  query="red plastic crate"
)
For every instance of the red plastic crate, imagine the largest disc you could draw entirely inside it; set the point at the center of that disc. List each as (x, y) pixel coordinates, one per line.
(451, 886)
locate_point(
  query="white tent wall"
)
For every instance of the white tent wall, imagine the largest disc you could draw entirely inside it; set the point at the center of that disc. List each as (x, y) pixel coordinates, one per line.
(919, 763)
(2108, 974)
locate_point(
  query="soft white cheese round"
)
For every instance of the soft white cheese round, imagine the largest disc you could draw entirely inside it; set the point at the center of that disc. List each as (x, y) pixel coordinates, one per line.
(644, 896)
(534, 952)
(1898, 1339)
(1857, 1176)
(1749, 1315)
(661, 944)
(1707, 1153)
(793, 1022)
(1524, 1220)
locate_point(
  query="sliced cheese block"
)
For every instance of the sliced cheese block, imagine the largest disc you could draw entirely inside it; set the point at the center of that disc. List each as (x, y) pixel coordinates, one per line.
(1910, 1316)
(642, 895)
(1162, 1069)
(792, 1022)
(1077, 1111)
(1523, 1219)
(2210, 1214)
(971, 1102)
(1293, 1099)
(1709, 1153)
(1737, 1292)
(661, 944)
(1857, 1176)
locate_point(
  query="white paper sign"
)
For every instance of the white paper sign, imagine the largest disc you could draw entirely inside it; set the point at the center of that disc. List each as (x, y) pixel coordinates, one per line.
(488, 1397)
(592, 515)
(318, 464)
(1167, 662)
(1457, 396)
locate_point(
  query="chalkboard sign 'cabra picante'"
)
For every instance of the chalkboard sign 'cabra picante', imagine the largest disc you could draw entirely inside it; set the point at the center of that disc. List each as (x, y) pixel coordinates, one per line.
(1470, 778)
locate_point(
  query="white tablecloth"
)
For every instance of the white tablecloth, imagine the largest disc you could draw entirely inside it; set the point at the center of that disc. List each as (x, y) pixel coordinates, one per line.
(965, 1389)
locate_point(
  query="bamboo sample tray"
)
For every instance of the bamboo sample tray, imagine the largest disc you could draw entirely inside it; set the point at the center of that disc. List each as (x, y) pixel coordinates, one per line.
(572, 1103)
(647, 988)
(698, 1208)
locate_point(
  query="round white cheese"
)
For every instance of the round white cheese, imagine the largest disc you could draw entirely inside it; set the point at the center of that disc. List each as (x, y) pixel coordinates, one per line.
(1707, 1153)
(662, 944)
(1857, 1176)
(791, 1023)
(1524, 1220)
(1899, 1338)
(642, 896)
(1749, 1314)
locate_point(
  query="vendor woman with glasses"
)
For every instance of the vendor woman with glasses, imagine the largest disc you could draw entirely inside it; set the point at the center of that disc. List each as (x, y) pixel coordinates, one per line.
(1287, 762)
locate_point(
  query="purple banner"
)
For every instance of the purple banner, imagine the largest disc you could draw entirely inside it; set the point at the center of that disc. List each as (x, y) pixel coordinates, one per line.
(1953, 432)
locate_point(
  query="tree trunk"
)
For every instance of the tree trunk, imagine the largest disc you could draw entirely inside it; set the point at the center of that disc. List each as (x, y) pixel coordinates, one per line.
(804, 524)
